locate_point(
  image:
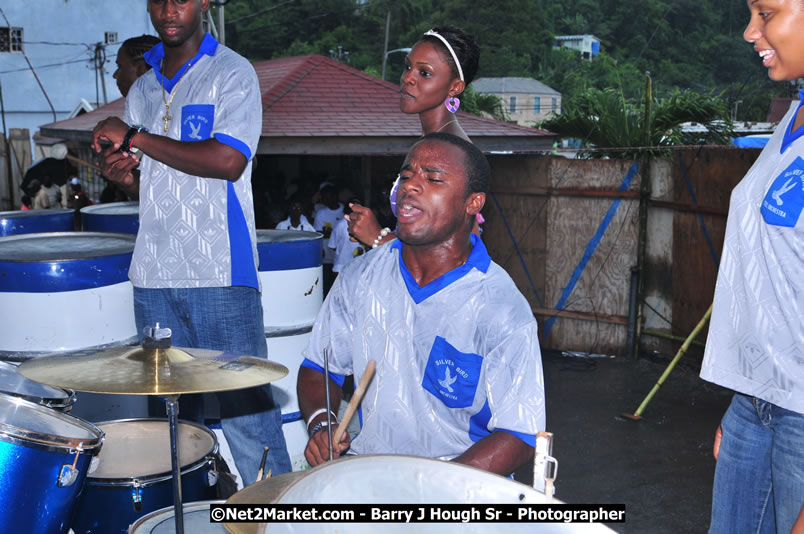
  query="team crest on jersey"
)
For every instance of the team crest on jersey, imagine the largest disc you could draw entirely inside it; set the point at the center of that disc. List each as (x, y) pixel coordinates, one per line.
(784, 200)
(197, 121)
(452, 376)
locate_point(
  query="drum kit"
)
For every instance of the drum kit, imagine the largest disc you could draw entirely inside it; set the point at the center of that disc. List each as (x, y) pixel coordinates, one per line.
(58, 472)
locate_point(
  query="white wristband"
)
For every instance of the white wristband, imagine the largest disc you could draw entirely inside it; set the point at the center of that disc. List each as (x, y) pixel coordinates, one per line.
(319, 412)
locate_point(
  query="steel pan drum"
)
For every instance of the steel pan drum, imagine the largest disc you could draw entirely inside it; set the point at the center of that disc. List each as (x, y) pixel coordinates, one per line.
(36, 221)
(292, 292)
(65, 292)
(13, 383)
(120, 217)
(134, 478)
(196, 520)
(44, 459)
(381, 479)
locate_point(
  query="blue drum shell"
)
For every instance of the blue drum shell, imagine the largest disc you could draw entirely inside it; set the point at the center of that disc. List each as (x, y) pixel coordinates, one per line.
(30, 462)
(118, 217)
(36, 221)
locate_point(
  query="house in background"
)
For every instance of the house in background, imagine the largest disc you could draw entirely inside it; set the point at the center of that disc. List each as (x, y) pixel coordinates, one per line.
(72, 46)
(588, 45)
(526, 100)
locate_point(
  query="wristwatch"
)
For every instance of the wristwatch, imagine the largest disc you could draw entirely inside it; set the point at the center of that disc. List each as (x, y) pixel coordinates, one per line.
(126, 145)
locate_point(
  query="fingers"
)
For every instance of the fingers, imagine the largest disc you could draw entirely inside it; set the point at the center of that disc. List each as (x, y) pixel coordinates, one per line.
(718, 439)
(317, 451)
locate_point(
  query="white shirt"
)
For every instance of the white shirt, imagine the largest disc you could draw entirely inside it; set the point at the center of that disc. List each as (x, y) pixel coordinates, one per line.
(304, 224)
(345, 249)
(326, 218)
(196, 231)
(456, 359)
(756, 335)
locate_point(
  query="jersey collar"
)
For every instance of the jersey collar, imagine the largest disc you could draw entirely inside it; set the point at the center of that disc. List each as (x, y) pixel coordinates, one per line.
(478, 259)
(155, 55)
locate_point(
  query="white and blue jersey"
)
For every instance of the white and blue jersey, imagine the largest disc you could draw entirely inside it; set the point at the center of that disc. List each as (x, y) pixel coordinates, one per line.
(456, 359)
(756, 336)
(197, 231)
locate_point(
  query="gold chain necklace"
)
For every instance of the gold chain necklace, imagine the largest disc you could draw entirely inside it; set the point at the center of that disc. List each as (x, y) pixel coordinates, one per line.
(446, 124)
(167, 117)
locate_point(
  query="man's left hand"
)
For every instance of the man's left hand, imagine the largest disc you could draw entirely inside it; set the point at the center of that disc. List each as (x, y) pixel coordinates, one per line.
(111, 129)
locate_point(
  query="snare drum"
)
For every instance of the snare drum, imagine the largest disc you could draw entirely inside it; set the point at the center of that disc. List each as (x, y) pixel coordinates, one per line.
(134, 475)
(44, 459)
(13, 383)
(196, 520)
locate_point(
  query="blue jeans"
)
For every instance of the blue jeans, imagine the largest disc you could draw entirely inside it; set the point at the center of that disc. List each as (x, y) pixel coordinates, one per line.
(759, 477)
(226, 319)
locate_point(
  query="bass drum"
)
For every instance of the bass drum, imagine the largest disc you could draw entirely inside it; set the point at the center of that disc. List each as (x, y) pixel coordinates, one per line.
(388, 479)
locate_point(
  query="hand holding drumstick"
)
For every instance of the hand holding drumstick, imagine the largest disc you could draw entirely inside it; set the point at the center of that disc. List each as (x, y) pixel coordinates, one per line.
(317, 451)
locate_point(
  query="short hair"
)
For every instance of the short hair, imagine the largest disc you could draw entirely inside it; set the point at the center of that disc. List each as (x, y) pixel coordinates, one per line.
(478, 172)
(136, 47)
(464, 46)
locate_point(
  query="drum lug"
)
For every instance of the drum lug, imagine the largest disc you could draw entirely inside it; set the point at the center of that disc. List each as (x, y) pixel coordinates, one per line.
(212, 474)
(545, 467)
(68, 474)
(136, 496)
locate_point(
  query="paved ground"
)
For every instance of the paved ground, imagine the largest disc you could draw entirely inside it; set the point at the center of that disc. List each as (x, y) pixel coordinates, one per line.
(661, 467)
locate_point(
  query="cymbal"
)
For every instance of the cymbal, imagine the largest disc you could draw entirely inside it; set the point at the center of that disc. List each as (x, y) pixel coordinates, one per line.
(262, 492)
(152, 371)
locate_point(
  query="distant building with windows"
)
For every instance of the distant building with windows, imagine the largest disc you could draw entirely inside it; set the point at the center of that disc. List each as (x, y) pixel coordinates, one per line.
(588, 45)
(526, 100)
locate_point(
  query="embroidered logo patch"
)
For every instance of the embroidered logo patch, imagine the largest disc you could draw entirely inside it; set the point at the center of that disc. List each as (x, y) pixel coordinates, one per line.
(784, 200)
(197, 121)
(452, 376)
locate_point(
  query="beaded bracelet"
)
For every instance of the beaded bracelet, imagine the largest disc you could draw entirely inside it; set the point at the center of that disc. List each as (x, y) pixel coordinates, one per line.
(319, 426)
(384, 232)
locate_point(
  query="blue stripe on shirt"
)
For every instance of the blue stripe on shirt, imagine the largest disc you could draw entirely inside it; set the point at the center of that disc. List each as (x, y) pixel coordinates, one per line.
(235, 143)
(244, 272)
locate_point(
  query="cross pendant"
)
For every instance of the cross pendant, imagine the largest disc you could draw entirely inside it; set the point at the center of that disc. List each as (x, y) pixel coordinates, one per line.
(167, 118)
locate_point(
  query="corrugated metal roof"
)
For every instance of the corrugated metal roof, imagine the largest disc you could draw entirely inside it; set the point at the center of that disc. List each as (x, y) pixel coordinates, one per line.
(513, 85)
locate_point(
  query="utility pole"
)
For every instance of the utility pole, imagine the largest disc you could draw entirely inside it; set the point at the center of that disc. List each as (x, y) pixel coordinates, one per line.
(385, 47)
(221, 26)
(100, 59)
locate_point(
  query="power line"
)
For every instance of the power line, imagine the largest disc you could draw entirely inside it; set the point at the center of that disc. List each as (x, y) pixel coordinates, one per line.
(48, 66)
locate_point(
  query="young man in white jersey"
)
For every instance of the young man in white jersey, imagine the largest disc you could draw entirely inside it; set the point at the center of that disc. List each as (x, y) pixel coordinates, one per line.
(192, 125)
(459, 374)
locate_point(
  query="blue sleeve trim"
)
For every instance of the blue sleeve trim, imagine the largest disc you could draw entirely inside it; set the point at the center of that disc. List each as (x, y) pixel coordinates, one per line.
(235, 143)
(244, 271)
(338, 379)
(529, 439)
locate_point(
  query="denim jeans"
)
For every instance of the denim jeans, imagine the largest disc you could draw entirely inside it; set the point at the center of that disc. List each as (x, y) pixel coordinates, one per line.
(226, 319)
(759, 477)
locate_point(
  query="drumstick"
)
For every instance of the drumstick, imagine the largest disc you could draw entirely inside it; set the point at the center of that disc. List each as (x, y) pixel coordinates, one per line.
(262, 463)
(356, 398)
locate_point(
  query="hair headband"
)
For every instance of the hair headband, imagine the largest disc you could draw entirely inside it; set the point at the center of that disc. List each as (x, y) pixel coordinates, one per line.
(451, 51)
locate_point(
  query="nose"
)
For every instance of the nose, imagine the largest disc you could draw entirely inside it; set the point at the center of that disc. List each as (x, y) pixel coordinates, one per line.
(407, 77)
(116, 73)
(411, 185)
(752, 32)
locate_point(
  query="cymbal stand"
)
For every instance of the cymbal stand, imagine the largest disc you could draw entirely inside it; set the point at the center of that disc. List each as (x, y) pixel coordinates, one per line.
(172, 403)
(329, 402)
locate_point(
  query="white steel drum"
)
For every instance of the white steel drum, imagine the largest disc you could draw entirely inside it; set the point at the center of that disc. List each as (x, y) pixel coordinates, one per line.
(36, 221)
(388, 479)
(119, 217)
(291, 276)
(13, 383)
(65, 292)
(196, 520)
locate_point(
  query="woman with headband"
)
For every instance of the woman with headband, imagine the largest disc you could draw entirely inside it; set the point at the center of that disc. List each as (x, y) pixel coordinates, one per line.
(437, 70)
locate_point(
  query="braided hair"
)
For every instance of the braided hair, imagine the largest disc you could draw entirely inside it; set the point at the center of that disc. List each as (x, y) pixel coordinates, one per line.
(136, 47)
(464, 46)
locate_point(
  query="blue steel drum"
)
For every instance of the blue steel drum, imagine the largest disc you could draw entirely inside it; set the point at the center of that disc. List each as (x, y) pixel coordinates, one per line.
(44, 459)
(65, 291)
(36, 221)
(292, 292)
(120, 217)
(134, 476)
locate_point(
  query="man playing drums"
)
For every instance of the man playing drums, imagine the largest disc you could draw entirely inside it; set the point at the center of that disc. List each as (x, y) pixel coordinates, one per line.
(459, 373)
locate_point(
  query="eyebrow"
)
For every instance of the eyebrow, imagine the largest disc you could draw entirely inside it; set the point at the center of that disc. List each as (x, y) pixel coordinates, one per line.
(407, 167)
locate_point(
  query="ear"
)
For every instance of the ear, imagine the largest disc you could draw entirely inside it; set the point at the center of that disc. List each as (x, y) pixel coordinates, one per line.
(204, 6)
(456, 87)
(475, 203)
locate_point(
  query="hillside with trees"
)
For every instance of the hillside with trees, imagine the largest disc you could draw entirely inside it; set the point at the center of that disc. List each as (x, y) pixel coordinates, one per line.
(693, 45)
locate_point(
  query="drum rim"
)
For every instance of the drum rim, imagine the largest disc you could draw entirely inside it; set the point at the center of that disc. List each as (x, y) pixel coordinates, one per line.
(130, 238)
(145, 481)
(50, 442)
(56, 403)
(23, 356)
(167, 509)
(22, 214)
(101, 207)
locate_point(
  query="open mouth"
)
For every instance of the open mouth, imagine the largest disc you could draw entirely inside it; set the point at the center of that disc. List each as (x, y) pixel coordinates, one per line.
(407, 212)
(767, 56)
